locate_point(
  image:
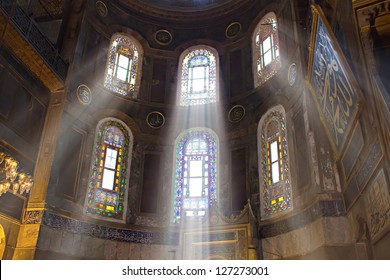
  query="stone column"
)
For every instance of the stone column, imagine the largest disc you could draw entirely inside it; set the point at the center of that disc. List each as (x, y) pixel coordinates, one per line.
(29, 229)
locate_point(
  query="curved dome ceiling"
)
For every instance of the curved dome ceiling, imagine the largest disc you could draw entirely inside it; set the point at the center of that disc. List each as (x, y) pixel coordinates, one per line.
(181, 5)
(183, 9)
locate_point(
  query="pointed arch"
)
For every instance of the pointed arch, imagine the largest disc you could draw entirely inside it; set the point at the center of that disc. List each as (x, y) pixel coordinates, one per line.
(265, 49)
(195, 175)
(124, 65)
(274, 172)
(198, 76)
(109, 175)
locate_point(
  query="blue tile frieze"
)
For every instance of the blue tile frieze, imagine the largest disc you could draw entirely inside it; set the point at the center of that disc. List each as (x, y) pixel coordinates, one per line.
(100, 231)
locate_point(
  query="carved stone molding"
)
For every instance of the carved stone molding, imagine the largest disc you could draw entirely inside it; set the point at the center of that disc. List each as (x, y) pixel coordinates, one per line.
(33, 217)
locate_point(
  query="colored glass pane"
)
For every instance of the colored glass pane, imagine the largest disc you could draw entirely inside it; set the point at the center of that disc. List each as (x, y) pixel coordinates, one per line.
(198, 79)
(123, 71)
(265, 46)
(275, 188)
(196, 173)
(108, 181)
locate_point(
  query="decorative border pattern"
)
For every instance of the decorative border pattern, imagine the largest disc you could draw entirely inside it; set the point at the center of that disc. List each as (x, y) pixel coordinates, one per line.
(377, 200)
(370, 164)
(331, 82)
(33, 217)
(323, 208)
(116, 234)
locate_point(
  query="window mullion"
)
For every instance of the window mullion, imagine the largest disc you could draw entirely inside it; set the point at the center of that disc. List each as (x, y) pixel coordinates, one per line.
(116, 64)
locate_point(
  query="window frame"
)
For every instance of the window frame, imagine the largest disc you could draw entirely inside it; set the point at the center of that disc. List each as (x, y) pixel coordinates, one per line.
(103, 203)
(186, 96)
(126, 46)
(275, 197)
(263, 72)
(179, 187)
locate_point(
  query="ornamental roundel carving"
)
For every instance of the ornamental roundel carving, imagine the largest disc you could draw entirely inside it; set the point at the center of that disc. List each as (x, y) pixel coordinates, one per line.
(101, 8)
(155, 119)
(84, 94)
(232, 30)
(236, 113)
(163, 37)
(292, 74)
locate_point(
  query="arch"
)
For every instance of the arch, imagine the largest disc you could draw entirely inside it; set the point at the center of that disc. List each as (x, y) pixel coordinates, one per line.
(195, 172)
(124, 65)
(110, 170)
(198, 76)
(265, 49)
(275, 185)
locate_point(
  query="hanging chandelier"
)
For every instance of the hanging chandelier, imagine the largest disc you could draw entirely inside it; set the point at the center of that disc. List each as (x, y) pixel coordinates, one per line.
(11, 178)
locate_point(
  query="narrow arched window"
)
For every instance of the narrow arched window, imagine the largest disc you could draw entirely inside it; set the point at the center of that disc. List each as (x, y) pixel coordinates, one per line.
(275, 186)
(195, 177)
(265, 48)
(109, 176)
(198, 76)
(124, 66)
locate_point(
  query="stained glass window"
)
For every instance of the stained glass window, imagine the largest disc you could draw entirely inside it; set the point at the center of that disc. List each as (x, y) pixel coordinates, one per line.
(265, 46)
(124, 66)
(195, 177)
(275, 187)
(107, 187)
(198, 76)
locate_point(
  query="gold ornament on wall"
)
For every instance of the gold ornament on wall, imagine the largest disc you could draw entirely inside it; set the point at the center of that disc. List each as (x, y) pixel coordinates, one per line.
(155, 119)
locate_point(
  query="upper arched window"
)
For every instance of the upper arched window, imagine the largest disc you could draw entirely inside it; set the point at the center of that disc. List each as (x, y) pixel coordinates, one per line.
(265, 48)
(195, 177)
(275, 187)
(124, 66)
(109, 177)
(198, 76)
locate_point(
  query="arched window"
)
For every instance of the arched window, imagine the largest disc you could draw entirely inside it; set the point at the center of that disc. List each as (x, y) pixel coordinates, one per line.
(265, 48)
(198, 76)
(124, 66)
(275, 187)
(195, 177)
(108, 183)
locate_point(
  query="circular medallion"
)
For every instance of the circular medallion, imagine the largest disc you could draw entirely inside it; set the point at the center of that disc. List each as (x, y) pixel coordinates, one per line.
(84, 94)
(101, 8)
(155, 119)
(236, 113)
(163, 37)
(232, 30)
(292, 74)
